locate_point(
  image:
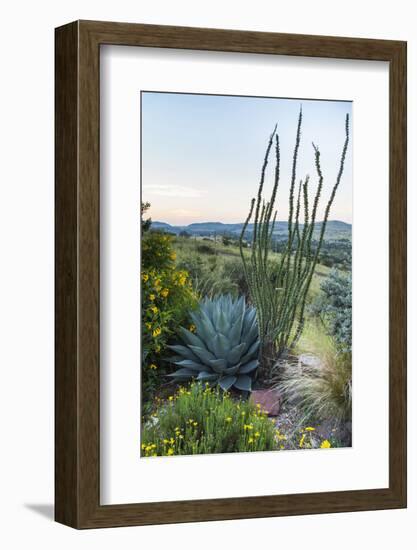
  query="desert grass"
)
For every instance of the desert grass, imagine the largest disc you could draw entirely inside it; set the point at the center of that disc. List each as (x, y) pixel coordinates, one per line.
(321, 391)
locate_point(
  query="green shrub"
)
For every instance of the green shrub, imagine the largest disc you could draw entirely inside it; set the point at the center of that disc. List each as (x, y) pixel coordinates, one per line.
(334, 307)
(205, 249)
(209, 274)
(157, 251)
(167, 299)
(201, 420)
(224, 348)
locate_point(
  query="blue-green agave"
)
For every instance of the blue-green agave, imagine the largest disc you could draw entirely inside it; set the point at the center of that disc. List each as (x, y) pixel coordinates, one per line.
(224, 347)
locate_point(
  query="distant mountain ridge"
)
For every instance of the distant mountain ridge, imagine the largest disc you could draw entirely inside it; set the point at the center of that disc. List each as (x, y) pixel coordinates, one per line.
(334, 228)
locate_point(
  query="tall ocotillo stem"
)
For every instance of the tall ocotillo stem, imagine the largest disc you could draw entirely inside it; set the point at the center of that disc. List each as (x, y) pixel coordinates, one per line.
(279, 288)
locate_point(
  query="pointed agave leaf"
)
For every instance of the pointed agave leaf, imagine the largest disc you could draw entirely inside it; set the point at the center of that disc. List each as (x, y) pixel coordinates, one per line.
(216, 313)
(252, 333)
(249, 367)
(222, 324)
(239, 309)
(191, 338)
(226, 382)
(204, 355)
(183, 374)
(184, 351)
(249, 317)
(235, 354)
(173, 358)
(232, 370)
(221, 346)
(252, 352)
(218, 365)
(187, 363)
(243, 382)
(208, 323)
(207, 377)
(236, 331)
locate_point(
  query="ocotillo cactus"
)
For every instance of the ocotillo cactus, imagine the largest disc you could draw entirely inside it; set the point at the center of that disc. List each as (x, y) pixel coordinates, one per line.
(279, 289)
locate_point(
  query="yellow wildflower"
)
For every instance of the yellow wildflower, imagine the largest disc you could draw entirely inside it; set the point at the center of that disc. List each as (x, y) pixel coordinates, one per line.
(148, 326)
(170, 451)
(325, 444)
(151, 297)
(257, 434)
(153, 366)
(192, 328)
(250, 440)
(309, 429)
(156, 332)
(164, 293)
(302, 440)
(171, 397)
(173, 256)
(145, 277)
(229, 419)
(154, 309)
(281, 436)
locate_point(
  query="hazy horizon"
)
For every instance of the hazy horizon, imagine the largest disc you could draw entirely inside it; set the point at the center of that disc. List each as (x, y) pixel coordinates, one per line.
(235, 223)
(202, 154)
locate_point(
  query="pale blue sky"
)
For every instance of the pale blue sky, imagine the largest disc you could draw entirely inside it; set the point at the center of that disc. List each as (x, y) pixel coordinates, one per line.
(202, 155)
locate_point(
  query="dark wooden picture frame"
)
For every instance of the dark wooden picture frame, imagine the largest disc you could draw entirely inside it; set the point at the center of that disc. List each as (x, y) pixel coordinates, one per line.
(77, 373)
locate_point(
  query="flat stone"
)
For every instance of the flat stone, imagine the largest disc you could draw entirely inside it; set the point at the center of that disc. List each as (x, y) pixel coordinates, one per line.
(269, 400)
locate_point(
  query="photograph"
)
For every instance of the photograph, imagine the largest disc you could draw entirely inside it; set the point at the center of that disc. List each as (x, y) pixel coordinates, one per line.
(246, 281)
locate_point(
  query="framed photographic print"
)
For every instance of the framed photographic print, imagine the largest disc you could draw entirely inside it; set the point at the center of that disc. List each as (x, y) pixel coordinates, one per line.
(230, 274)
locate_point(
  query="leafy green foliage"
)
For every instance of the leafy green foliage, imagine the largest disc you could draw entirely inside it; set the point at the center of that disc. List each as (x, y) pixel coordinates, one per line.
(167, 299)
(199, 419)
(146, 224)
(334, 307)
(224, 347)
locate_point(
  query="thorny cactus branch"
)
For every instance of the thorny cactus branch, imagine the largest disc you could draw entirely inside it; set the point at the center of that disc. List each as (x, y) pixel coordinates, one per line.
(279, 288)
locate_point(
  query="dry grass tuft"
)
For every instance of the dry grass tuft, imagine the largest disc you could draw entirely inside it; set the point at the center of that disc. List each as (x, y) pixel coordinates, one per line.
(322, 391)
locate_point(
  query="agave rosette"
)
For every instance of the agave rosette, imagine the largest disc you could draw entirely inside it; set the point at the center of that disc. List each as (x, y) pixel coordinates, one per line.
(224, 347)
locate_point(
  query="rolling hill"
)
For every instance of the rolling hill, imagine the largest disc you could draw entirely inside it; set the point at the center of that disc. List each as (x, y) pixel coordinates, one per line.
(335, 229)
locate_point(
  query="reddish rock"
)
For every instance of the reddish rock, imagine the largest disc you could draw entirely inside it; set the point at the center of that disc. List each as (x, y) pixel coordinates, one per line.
(269, 400)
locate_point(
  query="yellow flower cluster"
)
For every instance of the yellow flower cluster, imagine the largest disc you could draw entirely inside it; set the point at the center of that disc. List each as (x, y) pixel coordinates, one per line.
(149, 449)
